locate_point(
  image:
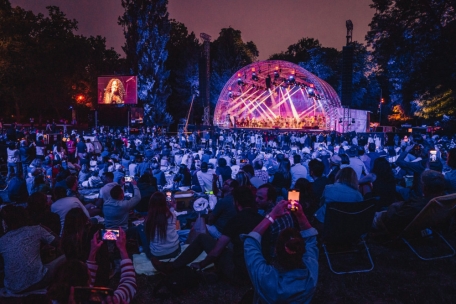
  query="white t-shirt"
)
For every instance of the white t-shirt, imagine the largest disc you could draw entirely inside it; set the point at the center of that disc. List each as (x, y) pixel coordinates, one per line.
(63, 205)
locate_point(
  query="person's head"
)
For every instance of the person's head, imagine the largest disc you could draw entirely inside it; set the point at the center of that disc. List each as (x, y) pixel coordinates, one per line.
(71, 273)
(108, 177)
(221, 162)
(229, 185)
(204, 167)
(316, 168)
(249, 170)
(297, 159)
(15, 217)
(290, 248)
(345, 160)
(382, 169)
(12, 145)
(243, 178)
(372, 147)
(433, 183)
(243, 197)
(72, 182)
(258, 164)
(114, 85)
(117, 193)
(59, 192)
(75, 221)
(266, 196)
(347, 176)
(284, 167)
(157, 217)
(451, 160)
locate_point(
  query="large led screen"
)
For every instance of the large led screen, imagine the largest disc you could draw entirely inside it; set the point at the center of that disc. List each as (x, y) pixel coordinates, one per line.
(117, 90)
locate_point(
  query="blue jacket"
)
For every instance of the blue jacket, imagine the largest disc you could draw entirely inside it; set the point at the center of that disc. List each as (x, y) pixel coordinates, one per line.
(275, 286)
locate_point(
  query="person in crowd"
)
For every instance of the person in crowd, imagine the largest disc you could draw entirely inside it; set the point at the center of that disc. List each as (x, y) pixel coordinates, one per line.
(71, 149)
(417, 166)
(297, 170)
(229, 263)
(320, 181)
(158, 234)
(27, 152)
(20, 250)
(255, 181)
(244, 180)
(223, 211)
(223, 170)
(234, 168)
(334, 166)
(345, 190)
(116, 208)
(84, 174)
(383, 182)
(400, 214)
(40, 183)
(266, 197)
(183, 178)
(158, 173)
(76, 273)
(65, 203)
(17, 188)
(119, 173)
(104, 194)
(373, 154)
(259, 172)
(205, 177)
(294, 279)
(147, 185)
(142, 167)
(356, 163)
(13, 160)
(39, 212)
(450, 176)
(282, 178)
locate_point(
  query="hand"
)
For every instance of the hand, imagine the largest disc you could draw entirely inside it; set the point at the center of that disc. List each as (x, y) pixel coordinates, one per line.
(95, 245)
(280, 209)
(121, 242)
(302, 218)
(133, 182)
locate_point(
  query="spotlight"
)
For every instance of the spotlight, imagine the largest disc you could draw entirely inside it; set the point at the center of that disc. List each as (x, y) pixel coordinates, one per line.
(254, 76)
(230, 94)
(239, 82)
(310, 92)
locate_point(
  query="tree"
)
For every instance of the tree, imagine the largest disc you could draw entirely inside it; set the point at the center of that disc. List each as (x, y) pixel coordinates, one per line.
(147, 28)
(298, 52)
(45, 65)
(183, 49)
(398, 114)
(436, 105)
(413, 44)
(229, 53)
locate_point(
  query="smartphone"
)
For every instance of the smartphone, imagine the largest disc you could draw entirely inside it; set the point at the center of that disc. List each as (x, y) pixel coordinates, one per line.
(128, 179)
(292, 206)
(109, 234)
(168, 196)
(89, 295)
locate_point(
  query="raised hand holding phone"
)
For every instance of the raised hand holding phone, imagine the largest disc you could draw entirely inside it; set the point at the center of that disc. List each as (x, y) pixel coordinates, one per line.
(95, 245)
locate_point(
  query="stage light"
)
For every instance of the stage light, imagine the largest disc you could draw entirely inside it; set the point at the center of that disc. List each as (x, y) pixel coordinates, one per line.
(239, 82)
(230, 94)
(254, 76)
(276, 75)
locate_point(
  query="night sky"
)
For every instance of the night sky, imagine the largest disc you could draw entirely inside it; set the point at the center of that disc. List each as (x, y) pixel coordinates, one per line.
(271, 24)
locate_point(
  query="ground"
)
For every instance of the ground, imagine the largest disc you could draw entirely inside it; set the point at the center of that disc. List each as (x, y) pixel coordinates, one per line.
(398, 277)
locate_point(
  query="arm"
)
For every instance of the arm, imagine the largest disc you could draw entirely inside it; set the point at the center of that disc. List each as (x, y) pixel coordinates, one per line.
(136, 197)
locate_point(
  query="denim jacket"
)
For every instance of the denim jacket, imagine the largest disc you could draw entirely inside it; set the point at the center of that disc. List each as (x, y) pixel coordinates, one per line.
(275, 286)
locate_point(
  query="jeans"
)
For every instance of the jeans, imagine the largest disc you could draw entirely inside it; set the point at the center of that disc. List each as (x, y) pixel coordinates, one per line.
(12, 169)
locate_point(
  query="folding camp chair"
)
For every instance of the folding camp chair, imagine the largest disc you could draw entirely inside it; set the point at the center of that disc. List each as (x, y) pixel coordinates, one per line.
(423, 228)
(345, 228)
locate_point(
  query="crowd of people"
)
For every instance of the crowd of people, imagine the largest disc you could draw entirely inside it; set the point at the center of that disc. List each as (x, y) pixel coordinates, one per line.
(253, 236)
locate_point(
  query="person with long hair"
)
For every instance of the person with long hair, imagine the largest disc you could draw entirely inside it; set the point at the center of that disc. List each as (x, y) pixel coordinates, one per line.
(383, 182)
(295, 278)
(114, 92)
(158, 234)
(344, 190)
(77, 273)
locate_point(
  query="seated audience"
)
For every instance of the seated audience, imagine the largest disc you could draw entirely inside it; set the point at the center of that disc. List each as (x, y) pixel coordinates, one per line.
(65, 203)
(39, 212)
(294, 280)
(117, 208)
(20, 250)
(344, 190)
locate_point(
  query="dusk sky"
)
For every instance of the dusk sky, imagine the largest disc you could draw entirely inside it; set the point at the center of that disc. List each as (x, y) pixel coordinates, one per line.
(271, 24)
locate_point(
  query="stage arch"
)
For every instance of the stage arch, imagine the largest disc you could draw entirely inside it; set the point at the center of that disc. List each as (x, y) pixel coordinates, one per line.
(276, 94)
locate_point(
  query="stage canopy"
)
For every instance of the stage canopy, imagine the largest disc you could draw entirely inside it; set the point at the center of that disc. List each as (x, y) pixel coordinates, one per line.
(276, 94)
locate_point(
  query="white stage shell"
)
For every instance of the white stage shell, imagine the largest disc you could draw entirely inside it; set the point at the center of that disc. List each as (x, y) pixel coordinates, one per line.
(277, 94)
